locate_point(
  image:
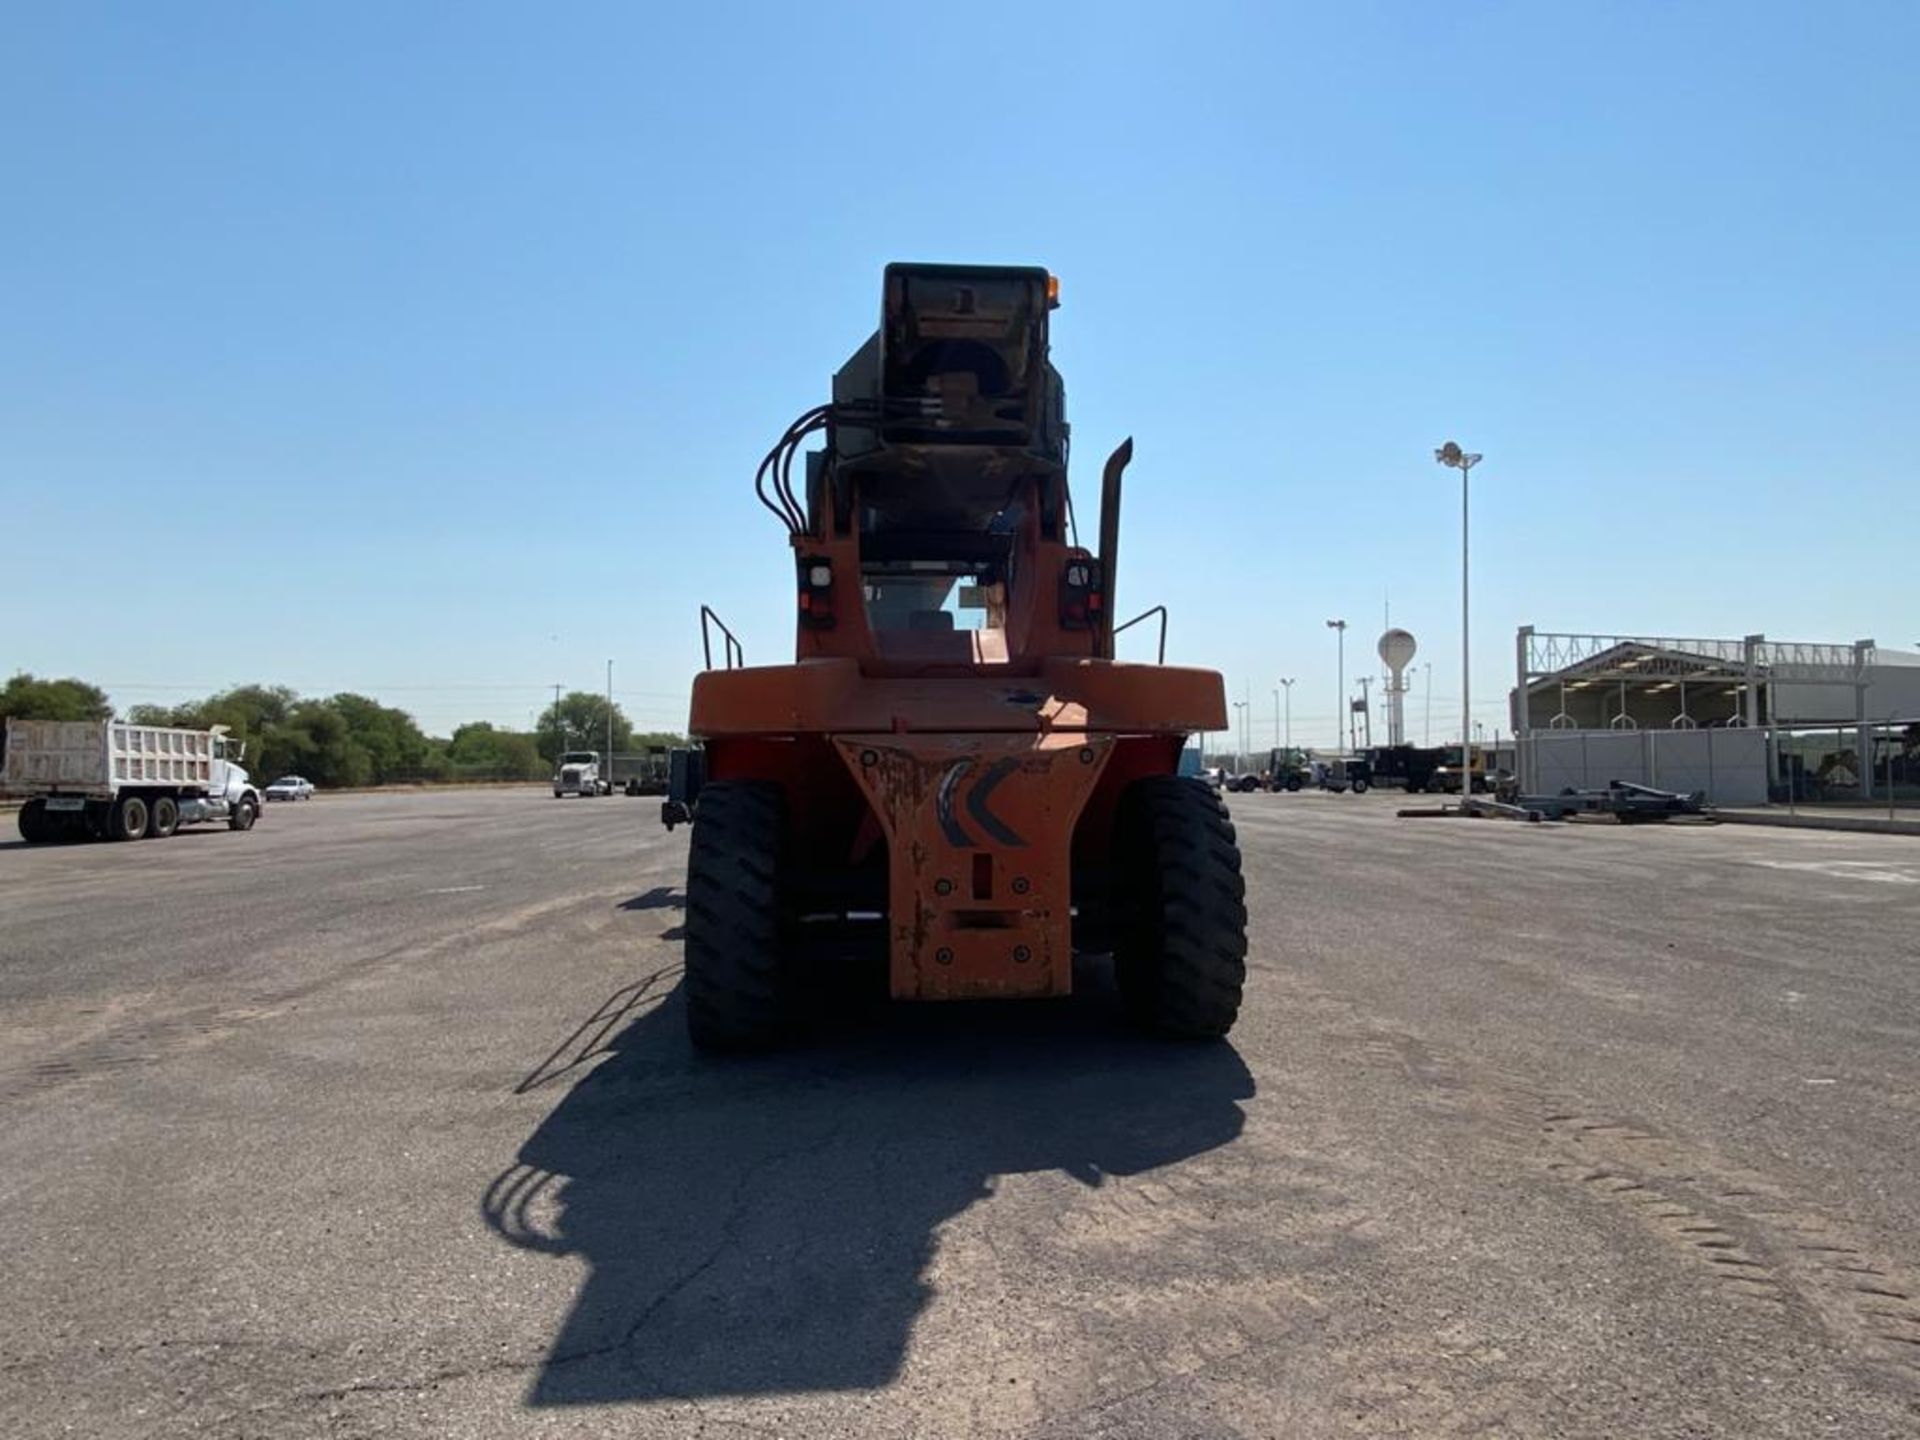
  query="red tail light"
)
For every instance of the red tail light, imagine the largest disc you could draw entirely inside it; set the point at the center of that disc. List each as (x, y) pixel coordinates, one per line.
(816, 592)
(1081, 602)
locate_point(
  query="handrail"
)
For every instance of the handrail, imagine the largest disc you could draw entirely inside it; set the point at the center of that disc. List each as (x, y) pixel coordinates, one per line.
(731, 651)
(1159, 610)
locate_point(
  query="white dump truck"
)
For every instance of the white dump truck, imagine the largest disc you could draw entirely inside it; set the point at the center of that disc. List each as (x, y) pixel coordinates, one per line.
(579, 774)
(109, 780)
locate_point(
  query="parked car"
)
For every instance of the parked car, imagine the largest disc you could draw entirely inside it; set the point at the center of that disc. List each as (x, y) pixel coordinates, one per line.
(289, 787)
(1213, 776)
(1241, 784)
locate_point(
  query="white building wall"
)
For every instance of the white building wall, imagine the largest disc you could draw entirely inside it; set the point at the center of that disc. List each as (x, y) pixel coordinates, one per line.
(1893, 691)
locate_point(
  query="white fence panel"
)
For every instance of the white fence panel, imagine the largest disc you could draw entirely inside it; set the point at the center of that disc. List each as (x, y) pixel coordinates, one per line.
(1738, 767)
(1553, 761)
(1729, 765)
(1615, 755)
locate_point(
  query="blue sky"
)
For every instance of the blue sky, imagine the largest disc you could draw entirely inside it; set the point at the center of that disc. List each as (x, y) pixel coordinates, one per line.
(429, 353)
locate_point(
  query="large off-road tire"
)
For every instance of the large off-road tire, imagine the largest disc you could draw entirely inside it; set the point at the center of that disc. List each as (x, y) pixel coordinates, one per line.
(1181, 951)
(128, 818)
(736, 985)
(164, 817)
(32, 820)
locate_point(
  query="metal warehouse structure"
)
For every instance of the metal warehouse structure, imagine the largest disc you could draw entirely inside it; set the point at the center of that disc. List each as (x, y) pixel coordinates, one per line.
(1641, 704)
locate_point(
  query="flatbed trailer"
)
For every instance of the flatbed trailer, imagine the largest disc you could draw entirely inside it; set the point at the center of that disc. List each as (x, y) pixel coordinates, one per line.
(1626, 802)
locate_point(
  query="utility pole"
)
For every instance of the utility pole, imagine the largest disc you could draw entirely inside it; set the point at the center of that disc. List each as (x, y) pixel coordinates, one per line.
(609, 721)
(1239, 764)
(1454, 457)
(1342, 715)
(1427, 738)
(1366, 711)
(1286, 684)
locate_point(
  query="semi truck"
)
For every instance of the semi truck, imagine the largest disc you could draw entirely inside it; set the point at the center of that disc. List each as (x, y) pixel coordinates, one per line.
(111, 780)
(579, 774)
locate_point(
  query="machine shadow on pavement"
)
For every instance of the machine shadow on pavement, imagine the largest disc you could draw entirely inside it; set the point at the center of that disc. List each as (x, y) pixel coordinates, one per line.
(764, 1223)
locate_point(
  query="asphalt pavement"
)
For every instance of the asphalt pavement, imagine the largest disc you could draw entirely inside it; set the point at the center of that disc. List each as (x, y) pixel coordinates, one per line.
(380, 1120)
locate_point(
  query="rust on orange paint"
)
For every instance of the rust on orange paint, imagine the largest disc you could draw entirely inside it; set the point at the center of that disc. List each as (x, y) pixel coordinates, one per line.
(979, 829)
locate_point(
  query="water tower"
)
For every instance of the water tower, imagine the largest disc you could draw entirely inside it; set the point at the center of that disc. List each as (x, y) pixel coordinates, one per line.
(1396, 653)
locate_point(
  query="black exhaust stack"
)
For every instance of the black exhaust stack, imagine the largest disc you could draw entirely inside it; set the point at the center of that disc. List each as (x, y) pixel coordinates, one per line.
(1110, 537)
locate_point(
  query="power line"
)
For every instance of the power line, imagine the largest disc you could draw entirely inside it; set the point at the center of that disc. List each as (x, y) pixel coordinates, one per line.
(449, 689)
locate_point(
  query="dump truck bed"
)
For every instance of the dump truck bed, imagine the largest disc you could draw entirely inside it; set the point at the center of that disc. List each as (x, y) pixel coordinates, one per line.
(97, 758)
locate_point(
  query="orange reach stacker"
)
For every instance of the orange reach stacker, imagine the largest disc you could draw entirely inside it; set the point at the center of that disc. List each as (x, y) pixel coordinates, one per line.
(954, 759)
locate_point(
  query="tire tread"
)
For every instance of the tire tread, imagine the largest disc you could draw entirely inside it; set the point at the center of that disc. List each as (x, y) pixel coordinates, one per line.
(736, 983)
(1181, 953)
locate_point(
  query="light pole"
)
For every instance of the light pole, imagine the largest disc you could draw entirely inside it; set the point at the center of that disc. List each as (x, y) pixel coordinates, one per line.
(1454, 457)
(609, 721)
(1239, 764)
(1286, 684)
(1427, 740)
(1339, 715)
(1366, 710)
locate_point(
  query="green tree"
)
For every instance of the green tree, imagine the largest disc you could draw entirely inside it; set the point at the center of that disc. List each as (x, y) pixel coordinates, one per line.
(250, 709)
(326, 750)
(663, 738)
(481, 752)
(348, 739)
(395, 746)
(579, 722)
(26, 697)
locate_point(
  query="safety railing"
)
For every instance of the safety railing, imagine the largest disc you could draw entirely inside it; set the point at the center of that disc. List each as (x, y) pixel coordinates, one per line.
(730, 649)
(1159, 610)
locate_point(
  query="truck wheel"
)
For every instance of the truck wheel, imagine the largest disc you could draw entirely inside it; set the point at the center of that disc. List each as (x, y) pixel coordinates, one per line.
(1360, 787)
(128, 820)
(1293, 784)
(244, 814)
(1181, 960)
(164, 818)
(32, 821)
(736, 987)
